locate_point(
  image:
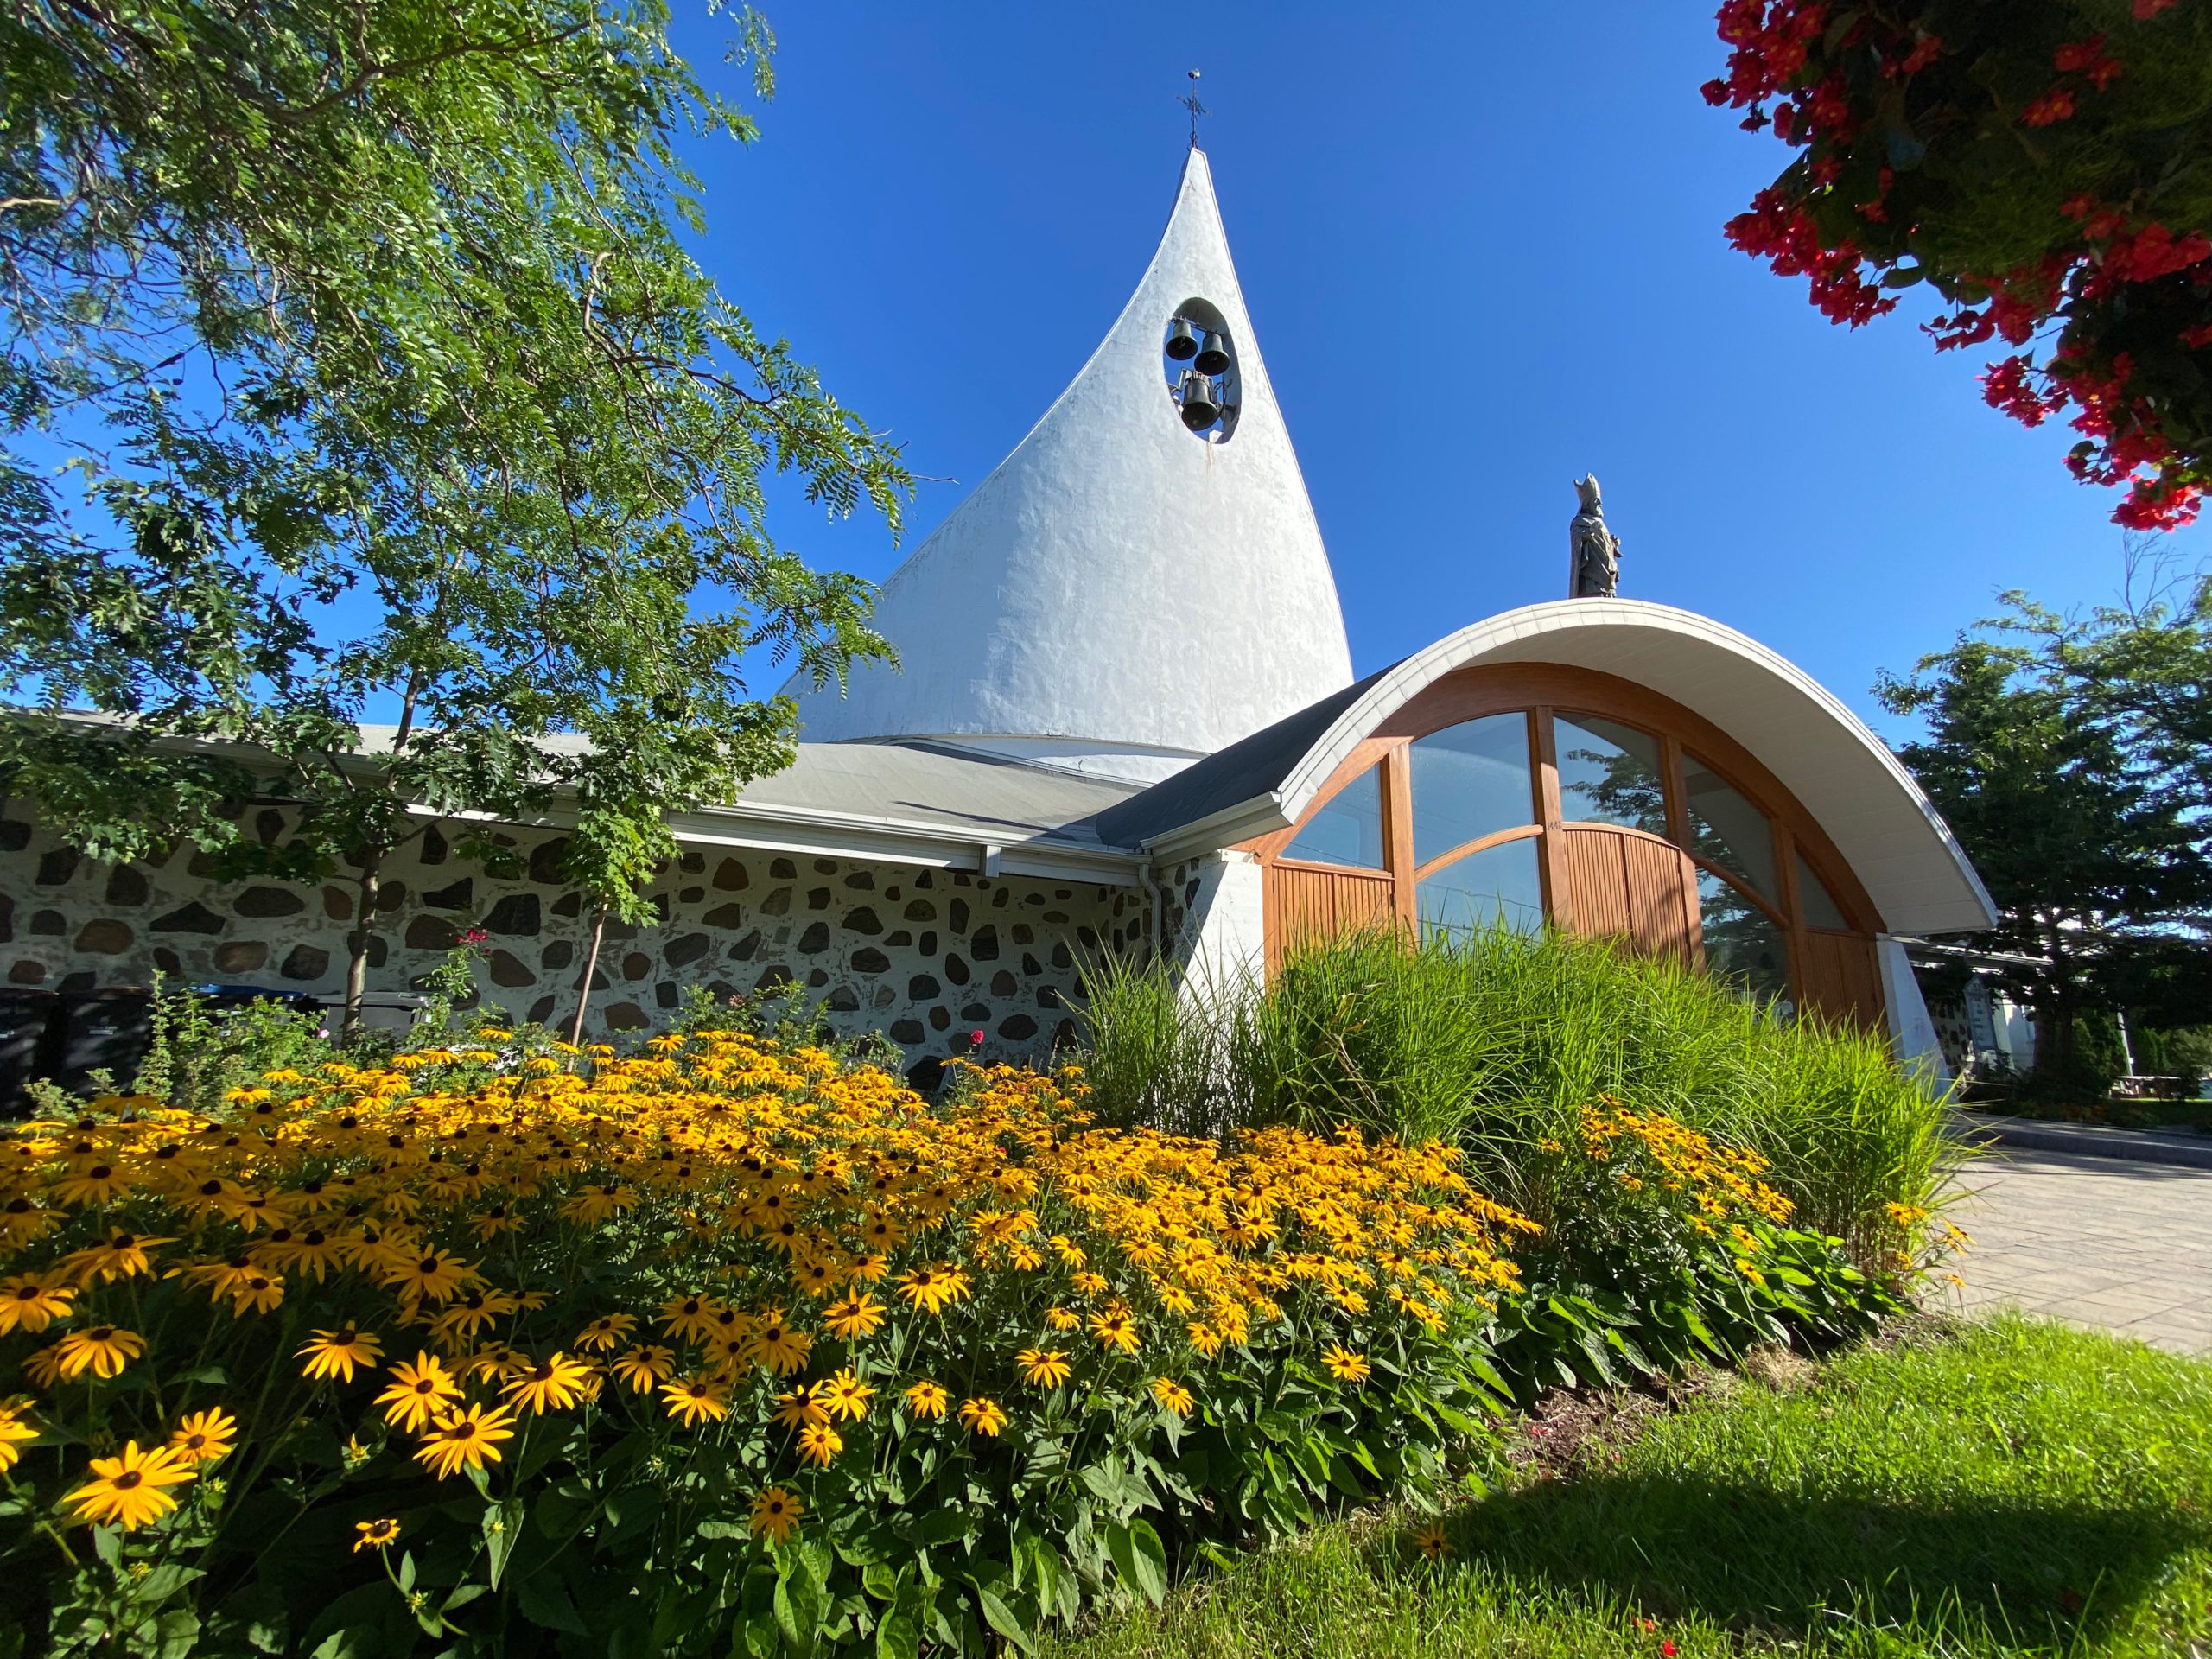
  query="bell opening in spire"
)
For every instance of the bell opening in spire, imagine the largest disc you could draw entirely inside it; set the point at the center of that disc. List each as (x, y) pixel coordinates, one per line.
(1199, 359)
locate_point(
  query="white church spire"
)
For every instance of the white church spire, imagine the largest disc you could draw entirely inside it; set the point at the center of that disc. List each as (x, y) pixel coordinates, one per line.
(1121, 594)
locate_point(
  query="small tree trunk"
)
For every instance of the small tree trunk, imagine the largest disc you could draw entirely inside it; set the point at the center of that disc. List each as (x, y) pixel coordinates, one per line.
(583, 985)
(357, 944)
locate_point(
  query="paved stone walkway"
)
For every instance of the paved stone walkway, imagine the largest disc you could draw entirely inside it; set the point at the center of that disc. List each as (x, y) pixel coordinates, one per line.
(2095, 1242)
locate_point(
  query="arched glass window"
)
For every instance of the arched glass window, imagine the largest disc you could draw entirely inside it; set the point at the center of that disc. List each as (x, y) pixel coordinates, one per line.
(1609, 773)
(1743, 944)
(1347, 829)
(1727, 830)
(1471, 780)
(1450, 830)
(1742, 941)
(1815, 903)
(1498, 884)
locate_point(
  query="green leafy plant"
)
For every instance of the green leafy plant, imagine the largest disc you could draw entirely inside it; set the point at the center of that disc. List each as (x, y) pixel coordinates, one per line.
(390, 313)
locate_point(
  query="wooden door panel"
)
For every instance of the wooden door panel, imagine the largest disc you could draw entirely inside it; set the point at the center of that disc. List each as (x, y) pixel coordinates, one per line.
(1843, 979)
(1304, 902)
(1595, 902)
(1662, 899)
(1619, 884)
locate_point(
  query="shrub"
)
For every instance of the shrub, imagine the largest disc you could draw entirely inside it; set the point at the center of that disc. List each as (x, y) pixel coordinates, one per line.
(726, 1347)
(1667, 1246)
(2080, 1073)
(1498, 1041)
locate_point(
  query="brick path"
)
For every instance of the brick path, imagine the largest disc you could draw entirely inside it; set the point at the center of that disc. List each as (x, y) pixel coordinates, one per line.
(2095, 1242)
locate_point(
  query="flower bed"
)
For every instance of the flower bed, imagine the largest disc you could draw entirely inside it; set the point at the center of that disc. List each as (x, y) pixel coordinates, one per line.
(726, 1347)
(1665, 1246)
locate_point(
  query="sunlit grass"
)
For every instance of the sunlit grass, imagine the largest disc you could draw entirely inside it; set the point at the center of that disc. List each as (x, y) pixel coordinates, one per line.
(2014, 1488)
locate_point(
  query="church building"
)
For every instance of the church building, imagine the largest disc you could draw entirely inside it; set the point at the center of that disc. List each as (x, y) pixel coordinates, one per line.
(1125, 719)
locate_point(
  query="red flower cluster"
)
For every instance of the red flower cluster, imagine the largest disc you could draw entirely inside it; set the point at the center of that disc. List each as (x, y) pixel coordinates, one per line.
(2006, 385)
(2087, 58)
(2145, 256)
(1801, 68)
(1771, 41)
(1783, 232)
(2123, 428)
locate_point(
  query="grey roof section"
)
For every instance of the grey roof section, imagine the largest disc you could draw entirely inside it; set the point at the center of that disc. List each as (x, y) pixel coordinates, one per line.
(980, 797)
(1252, 767)
(907, 802)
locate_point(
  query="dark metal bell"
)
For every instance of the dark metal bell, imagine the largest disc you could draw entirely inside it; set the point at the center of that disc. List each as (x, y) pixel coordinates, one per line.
(1213, 356)
(1182, 343)
(1201, 408)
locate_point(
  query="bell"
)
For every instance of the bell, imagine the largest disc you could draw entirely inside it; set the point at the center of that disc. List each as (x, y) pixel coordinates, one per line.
(1201, 408)
(1182, 343)
(1213, 356)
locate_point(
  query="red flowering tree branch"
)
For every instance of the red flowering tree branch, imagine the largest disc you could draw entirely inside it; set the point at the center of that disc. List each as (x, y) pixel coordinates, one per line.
(2044, 166)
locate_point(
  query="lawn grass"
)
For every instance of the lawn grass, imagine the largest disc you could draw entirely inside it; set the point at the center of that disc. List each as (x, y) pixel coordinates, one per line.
(2012, 1487)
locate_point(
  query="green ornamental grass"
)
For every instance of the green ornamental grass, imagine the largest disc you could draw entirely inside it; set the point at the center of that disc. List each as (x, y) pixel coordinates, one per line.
(1498, 1040)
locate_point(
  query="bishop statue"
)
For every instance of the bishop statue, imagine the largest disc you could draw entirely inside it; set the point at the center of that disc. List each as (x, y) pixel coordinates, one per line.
(1595, 563)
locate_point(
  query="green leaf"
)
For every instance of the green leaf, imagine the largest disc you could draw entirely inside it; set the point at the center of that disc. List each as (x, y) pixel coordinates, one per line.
(1342, 1477)
(817, 1559)
(350, 1625)
(1140, 1557)
(898, 1635)
(544, 1600)
(798, 1607)
(503, 1525)
(941, 1526)
(176, 1634)
(1001, 1618)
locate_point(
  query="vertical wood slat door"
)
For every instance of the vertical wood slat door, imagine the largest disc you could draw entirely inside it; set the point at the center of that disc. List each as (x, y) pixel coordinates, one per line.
(1616, 883)
(1304, 903)
(1842, 978)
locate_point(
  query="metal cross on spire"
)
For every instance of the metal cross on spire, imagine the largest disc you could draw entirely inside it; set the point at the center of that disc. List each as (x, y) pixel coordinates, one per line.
(1190, 101)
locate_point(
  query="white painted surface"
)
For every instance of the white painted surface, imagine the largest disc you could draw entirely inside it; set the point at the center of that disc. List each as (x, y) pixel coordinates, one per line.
(1911, 1031)
(1897, 843)
(1117, 581)
(1223, 945)
(2016, 1034)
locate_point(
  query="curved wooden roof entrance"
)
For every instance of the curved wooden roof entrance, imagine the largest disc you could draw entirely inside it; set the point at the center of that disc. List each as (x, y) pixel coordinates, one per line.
(1654, 827)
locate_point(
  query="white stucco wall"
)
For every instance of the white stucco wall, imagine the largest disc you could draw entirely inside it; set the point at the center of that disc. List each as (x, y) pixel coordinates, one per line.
(1222, 938)
(1911, 1030)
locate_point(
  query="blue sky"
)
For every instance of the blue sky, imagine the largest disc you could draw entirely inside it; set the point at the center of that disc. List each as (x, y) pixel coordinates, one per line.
(1482, 250)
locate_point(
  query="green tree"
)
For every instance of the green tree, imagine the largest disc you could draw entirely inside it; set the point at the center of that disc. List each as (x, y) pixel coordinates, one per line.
(2054, 752)
(388, 387)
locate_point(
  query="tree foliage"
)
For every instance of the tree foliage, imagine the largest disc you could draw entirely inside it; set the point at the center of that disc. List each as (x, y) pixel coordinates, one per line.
(366, 342)
(2044, 166)
(2069, 755)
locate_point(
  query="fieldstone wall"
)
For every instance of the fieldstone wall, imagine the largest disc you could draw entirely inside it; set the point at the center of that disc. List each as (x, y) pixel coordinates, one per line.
(1950, 1018)
(927, 956)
